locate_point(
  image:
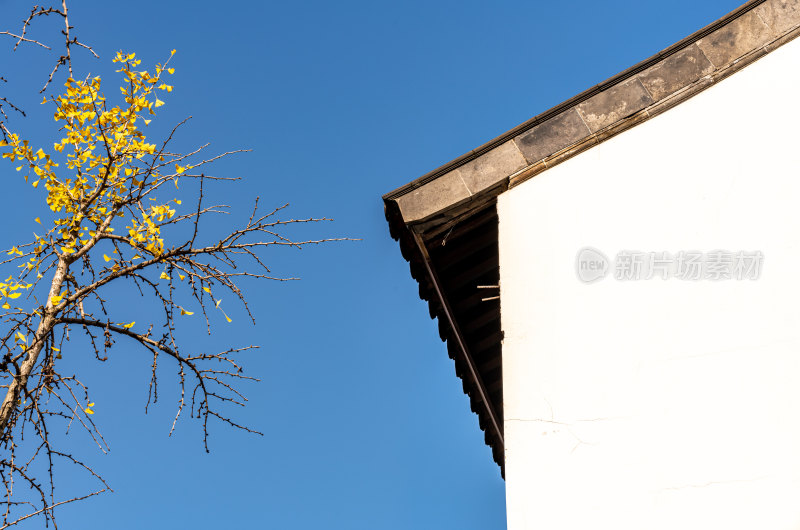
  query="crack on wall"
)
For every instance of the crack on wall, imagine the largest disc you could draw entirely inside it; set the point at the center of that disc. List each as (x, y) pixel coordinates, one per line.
(711, 483)
(572, 423)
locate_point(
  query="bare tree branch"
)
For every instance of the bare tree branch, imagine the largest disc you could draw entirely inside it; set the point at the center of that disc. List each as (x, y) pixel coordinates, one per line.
(65, 57)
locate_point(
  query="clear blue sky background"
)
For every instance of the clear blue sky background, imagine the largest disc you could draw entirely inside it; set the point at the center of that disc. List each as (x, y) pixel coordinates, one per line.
(365, 423)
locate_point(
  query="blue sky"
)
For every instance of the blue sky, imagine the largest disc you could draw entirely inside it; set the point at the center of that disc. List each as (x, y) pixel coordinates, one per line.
(365, 423)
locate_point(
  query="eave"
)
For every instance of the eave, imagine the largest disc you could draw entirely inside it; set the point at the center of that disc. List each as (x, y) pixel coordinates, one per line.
(452, 203)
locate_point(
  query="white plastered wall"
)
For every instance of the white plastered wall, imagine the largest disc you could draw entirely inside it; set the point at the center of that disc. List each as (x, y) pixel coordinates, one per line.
(660, 404)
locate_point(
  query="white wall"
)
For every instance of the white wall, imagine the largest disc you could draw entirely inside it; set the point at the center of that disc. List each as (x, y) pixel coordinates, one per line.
(660, 404)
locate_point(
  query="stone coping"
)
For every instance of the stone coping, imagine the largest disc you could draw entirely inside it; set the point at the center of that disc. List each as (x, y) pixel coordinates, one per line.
(625, 100)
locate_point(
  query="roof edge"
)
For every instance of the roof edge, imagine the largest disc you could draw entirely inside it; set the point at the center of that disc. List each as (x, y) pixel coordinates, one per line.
(574, 101)
(430, 208)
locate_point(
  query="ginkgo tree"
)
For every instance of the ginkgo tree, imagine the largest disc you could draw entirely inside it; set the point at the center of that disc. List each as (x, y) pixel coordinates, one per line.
(112, 195)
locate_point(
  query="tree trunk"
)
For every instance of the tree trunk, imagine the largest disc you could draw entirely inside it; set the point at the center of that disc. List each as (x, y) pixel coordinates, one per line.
(20, 382)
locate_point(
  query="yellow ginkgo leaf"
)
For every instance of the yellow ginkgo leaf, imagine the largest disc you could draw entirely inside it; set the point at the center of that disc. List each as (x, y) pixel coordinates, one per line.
(38, 220)
(158, 103)
(106, 258)
(185, 312)
(6, 306)
(206, 289)
(87, 410)
(164, 276)
(129, 326)
(182, 277)
(56, 299)
(227, 318)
